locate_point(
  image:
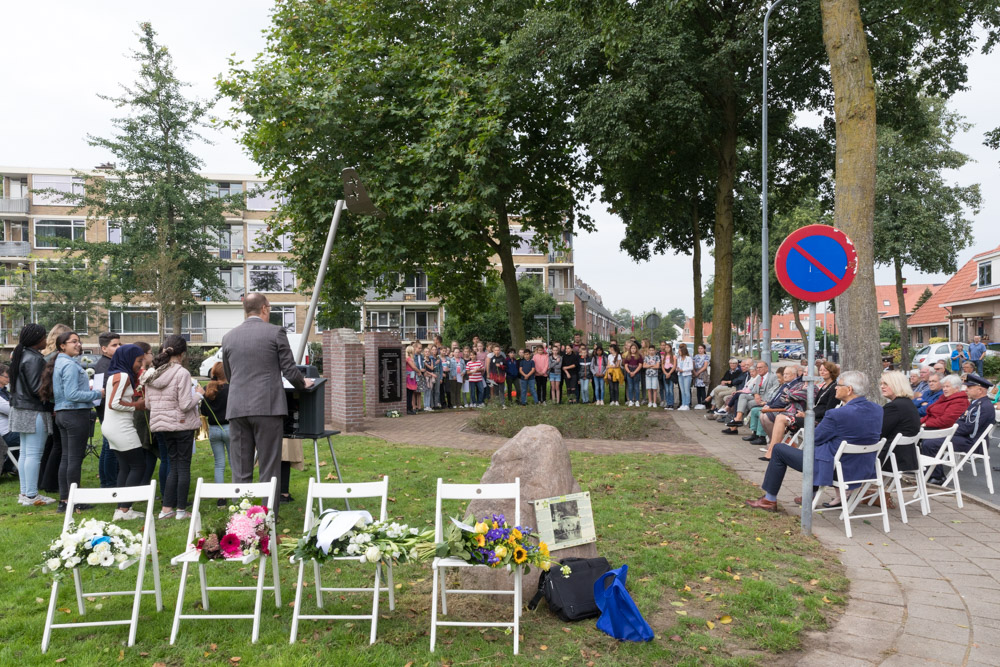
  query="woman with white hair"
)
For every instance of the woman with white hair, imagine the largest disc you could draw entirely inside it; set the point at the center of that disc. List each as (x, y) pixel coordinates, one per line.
(945, 411)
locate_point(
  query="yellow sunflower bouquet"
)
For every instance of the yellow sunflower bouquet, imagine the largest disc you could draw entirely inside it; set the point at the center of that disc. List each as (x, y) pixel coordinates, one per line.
(494, 542)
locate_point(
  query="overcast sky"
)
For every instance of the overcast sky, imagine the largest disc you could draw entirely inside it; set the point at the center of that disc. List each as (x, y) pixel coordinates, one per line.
(51, 104)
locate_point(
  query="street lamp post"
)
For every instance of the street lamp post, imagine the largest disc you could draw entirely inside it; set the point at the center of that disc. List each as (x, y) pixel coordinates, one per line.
(765, 255)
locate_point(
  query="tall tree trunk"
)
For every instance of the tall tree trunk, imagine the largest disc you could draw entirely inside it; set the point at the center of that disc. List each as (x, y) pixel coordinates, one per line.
(854, 208)
(696, 271)
(722, 298)
(796, 310)
(508, 275)
(904, 332)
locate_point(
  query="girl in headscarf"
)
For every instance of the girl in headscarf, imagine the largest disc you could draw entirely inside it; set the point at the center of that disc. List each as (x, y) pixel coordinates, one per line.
(118, 425)
(29, 415)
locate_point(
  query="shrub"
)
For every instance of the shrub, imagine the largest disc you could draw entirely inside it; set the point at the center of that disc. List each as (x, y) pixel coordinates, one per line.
(991, 367)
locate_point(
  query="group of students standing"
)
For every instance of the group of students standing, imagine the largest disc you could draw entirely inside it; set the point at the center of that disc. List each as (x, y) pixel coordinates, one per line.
(439, 376)
(149, 406)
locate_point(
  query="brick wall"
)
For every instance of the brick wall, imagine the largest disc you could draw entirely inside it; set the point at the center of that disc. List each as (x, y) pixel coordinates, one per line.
(373, 341)
(343, 356)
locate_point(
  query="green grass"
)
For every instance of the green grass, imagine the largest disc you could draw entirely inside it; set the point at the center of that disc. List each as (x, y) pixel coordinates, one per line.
(678, 522)
(572, 420)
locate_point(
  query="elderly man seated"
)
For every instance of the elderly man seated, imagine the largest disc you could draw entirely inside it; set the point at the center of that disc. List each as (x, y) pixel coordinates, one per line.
(734, 378)
(777, 401)
(979, 414)
(764, 385)
(749, 379)
(924, 399)
(858, 421)
(921, 386)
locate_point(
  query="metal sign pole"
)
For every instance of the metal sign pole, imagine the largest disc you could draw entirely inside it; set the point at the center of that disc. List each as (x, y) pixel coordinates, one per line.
(320, 277)
(808, 441)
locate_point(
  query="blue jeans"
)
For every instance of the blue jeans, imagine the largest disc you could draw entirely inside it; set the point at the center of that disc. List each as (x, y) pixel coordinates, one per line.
(29, 459)
(685, 382)
(979, 367)
(218, 438)
(477, 392)
(107, 466)
(632, 387)
(668, 392)
(598, 389)
(528, 387)
(585, 391)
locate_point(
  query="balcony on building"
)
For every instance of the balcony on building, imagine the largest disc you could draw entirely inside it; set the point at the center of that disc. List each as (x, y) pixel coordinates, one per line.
(14, 205)
(229, 252)
(561, 257)
(562, 294)
(15, 248)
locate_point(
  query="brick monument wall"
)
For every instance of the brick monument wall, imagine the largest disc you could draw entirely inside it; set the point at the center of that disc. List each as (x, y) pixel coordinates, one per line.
(343, 356)
(374, 341)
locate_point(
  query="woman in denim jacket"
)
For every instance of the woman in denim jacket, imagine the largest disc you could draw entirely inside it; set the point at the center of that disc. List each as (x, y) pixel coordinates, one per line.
(66, 383)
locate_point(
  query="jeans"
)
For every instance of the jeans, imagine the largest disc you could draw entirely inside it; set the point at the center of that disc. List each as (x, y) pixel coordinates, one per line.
(48, 475)
(131, 469)
(979, 367)
(528, 387)
(632, 387)
(107, 466)
(218, 438)
(74, 427)
(477, 392)
(512, 386)
(429, 397)
(180, 445)
(29, 459)
(585, 391)
(598, 389)
(540, 387)
(783, 457)
(685, 382)
(668, 391)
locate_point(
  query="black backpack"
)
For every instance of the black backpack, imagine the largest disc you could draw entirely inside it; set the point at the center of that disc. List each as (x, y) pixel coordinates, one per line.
(571, 598)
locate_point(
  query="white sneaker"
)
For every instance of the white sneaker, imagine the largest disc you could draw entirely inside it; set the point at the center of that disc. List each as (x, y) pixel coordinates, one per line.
(684, 407)
(721, 412)
(166, 515)
(629, 404)
(37, 501)
(428, 409)
(180, 515)
(127, 515)
(699, 407)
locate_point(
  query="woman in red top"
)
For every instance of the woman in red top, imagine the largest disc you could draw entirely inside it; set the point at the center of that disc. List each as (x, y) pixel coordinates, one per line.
(945, 411)
(477, 386)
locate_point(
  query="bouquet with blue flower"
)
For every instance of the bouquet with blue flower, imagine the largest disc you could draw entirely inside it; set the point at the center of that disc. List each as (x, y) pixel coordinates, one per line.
(495, 543)
(97, 544)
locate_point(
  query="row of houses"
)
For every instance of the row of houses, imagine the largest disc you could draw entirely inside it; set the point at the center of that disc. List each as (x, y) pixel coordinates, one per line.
(32, 224)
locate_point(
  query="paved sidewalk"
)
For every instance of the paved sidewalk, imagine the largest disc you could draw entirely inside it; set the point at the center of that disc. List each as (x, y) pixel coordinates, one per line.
(926, 593)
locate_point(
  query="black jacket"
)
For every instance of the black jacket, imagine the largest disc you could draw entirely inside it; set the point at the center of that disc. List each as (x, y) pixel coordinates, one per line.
(101, 367)
(826, 399)
(215, 410)
(29, 380)
(900, 416)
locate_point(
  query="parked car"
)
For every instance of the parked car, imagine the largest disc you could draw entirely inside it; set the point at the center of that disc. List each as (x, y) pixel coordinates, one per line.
(293, 342)
(929, 354)
(993, 349)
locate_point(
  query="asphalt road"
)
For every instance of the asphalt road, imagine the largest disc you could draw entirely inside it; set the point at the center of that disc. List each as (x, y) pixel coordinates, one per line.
(977, 485)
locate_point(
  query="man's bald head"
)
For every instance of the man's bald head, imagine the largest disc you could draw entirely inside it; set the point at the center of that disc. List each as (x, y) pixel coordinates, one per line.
(254, 304)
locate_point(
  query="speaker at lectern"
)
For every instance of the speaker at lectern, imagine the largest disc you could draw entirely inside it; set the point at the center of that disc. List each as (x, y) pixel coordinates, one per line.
(306, 416)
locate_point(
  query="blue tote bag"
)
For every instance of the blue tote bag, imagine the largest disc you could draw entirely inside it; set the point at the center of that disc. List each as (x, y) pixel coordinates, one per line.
(620, 618)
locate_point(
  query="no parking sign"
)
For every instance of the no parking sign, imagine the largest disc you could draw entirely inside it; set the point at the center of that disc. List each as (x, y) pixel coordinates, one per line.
(816, 263)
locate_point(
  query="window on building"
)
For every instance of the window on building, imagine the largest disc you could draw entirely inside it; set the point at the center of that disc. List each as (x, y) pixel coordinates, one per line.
(920, 335)
(49, 233)
(133, 321)
(521, 243)
(52, 276)
(234, 279)
(224, 189)
(193, 322)
(12, 230)
(934, 332)
(284, 317)
(986, 274)
(781, 325)
(535, 273)
(256, 234)
(114, 232)
(420, 325)
(383, 319)
(259, 199)
(61, 186)
(271, 278)
(231, 242)
(415, 286)
(886, 302)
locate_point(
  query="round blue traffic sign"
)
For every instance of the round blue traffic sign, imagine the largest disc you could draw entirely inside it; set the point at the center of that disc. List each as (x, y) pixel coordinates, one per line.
(816, 263)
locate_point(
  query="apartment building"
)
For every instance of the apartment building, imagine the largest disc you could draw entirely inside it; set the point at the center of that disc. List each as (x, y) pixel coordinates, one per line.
(417, 313)
(591, 317)
(29, 219)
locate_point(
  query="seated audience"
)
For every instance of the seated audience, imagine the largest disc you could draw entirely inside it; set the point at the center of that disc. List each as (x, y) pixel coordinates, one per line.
(858, 421)
(921, 387)
(899, 416)
(978, 414)
(945, 411)
(776, 401)
(928, 396)
(733, 380)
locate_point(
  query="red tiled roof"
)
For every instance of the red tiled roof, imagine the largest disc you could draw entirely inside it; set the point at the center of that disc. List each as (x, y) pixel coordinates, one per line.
(911, 293)
(960, 287)
(783, 326)
(687, 334)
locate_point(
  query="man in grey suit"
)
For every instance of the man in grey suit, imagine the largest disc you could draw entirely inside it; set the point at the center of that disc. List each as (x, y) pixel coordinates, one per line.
(766, 384)
(255, 356)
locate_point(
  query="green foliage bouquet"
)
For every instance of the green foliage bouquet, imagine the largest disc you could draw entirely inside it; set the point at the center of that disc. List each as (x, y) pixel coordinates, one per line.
(371, 541)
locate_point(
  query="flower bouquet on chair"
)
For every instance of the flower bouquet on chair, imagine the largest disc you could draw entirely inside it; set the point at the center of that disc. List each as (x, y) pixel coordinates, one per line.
(354, 534)
(97, 544)
(495, 543)
(245, 533)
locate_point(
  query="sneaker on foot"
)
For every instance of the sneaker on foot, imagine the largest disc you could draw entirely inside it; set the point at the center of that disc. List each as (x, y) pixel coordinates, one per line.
(684, 407)
(127, 515)
(166, 515)
(180, 515)
(699, 407)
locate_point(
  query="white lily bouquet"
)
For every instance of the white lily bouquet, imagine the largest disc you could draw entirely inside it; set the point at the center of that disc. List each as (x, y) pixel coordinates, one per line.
(94, 543)
(355, 534)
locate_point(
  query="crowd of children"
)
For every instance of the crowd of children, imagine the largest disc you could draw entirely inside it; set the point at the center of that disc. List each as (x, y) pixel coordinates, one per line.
(444, 377)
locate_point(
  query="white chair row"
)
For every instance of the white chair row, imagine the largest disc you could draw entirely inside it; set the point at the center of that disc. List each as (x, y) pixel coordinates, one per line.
(267, 493)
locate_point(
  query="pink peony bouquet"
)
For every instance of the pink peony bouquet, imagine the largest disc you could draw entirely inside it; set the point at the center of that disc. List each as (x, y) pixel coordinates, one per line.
(245, 532)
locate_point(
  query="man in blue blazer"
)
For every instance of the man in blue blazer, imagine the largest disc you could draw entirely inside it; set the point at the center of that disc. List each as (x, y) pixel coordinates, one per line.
(857, 420)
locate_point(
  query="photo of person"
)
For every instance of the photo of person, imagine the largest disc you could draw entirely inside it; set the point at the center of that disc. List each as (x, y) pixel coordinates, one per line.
(566, 521)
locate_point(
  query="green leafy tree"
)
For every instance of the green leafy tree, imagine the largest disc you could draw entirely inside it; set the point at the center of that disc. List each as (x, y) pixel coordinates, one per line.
(921, 220)
(888, 333)
(166, 214)
(490, 323)
(59, 292)
(456, 115)
(926, 294)
(677, 317)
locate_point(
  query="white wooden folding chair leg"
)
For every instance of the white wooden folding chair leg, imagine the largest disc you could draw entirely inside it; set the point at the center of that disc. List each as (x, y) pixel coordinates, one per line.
(319, 584)
(276, 576)
(392, 589)
(53, 598)
(444, 592)
(259, 601)
(845, 514)
(517, 609)
(378, 585)
(78, 585)
(297, 609)
(434, 607)
(203, 583)
(180, 604)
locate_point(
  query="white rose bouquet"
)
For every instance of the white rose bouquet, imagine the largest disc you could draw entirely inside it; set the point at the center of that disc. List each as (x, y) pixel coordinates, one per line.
(379, 541)
(93, 543)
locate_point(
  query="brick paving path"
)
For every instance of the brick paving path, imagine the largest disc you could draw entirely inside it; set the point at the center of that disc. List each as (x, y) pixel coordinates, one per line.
(926, 593)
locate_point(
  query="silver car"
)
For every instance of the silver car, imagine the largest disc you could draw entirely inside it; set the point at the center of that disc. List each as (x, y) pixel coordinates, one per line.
(929, 354)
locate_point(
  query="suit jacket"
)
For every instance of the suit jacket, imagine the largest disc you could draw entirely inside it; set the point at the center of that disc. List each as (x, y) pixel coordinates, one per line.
(768, 387)
(255, 355)
(859, 422)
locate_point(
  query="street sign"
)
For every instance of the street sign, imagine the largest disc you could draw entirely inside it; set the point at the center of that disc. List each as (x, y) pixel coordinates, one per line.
(816, 263)
(652, 321)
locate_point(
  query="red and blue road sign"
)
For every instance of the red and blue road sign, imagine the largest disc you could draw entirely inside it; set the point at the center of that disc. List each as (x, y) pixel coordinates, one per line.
(816, 263)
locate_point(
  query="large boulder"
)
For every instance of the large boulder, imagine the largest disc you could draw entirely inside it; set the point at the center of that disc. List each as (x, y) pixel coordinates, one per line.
(538, 456)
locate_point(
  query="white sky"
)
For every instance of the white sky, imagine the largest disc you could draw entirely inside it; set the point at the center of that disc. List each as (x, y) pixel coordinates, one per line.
(51, 104)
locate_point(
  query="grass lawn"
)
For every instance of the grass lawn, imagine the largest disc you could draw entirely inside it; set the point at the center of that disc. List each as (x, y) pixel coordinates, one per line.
(719, 584)
(573, 420)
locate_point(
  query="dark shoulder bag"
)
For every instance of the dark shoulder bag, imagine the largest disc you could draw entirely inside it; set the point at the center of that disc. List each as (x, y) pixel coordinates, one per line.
(571, 598)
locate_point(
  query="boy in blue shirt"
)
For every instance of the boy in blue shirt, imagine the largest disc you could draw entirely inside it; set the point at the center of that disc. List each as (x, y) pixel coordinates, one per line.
(526, 372)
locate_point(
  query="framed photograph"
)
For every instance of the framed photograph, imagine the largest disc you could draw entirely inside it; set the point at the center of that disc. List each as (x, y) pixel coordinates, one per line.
(565, 521)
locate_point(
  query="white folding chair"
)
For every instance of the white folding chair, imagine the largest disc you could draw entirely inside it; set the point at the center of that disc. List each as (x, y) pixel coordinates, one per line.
(126, 494)
(946, 458)
(849, 503)
(267, 492)
(896, 477)
(16, 460)
(319, 491)
(980, 451)
(440, 565)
